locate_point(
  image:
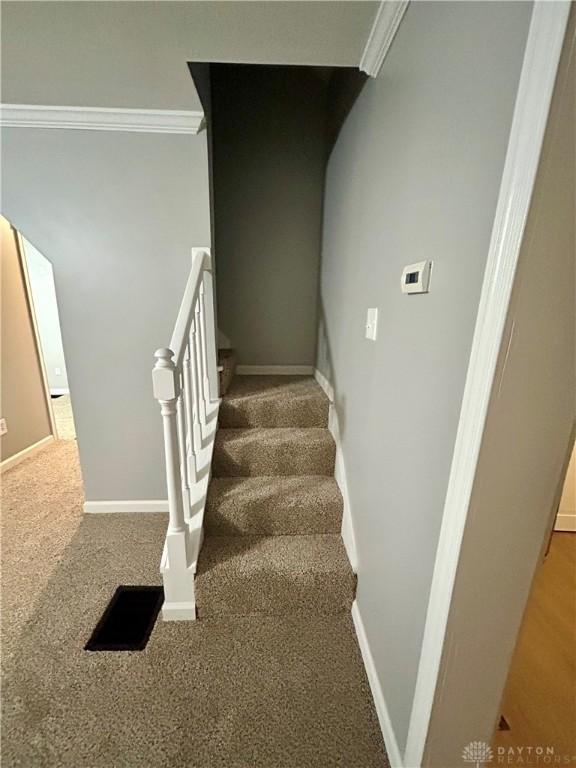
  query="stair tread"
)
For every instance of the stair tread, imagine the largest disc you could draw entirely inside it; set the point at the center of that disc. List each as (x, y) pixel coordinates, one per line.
(304, 504)
(274, 574)
(274, 401)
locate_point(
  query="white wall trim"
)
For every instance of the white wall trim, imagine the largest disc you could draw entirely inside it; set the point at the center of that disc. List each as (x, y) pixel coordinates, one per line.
(565, 521)
(325, 384)
(11, 461)
(347, 530)
(101, 118)
(394, 754)
(277, 370)
(139, 505)
(533, 99)
(384, 28)
(37, 340)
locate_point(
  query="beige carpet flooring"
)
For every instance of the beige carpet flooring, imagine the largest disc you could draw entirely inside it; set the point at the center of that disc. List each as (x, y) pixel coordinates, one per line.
(64, 418)
(235, 692)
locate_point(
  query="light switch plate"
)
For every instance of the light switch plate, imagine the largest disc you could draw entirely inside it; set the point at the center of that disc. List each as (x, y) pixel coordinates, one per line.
(3, 427)
(372, 324)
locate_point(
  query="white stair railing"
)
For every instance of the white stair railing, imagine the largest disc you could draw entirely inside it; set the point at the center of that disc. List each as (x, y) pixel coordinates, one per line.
(185, 383)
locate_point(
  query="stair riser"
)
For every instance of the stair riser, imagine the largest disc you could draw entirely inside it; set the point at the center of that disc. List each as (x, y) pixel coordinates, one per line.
(311, 412)
(276, 594)
(253, 459)
(259, 522)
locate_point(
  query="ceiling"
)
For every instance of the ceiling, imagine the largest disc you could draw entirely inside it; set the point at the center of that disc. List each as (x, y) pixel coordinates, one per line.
(135, 54)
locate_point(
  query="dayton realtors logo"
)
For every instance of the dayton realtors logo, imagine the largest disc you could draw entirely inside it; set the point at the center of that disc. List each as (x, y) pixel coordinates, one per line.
(529, 755)
(478, 753)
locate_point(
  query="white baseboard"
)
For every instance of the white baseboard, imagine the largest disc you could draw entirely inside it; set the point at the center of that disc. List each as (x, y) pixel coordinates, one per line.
(565, 521)
(277, 370)
(140, 505)
(394, 755)
(347, 531)
(11, 461)
(325, 384)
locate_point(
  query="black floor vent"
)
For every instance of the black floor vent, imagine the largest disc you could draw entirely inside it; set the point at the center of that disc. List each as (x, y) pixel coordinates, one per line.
(128, 620)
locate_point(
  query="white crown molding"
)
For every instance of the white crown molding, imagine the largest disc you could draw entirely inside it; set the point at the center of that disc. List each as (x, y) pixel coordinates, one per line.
(101, 119)
(533, 98)
(384, 27)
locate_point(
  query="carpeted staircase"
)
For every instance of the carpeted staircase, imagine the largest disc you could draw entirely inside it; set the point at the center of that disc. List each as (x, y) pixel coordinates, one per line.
(274, 511)
(226, 366)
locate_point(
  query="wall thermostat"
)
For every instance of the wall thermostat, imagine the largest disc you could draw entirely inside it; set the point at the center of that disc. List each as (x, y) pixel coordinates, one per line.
(416, 277)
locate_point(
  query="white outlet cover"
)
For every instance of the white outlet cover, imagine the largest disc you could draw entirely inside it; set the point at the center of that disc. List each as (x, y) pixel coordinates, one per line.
(3, 427)
(372, 324)
(58, 371)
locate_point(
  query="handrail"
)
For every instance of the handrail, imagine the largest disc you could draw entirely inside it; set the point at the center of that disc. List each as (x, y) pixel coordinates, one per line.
(185, 383)
(200, 261)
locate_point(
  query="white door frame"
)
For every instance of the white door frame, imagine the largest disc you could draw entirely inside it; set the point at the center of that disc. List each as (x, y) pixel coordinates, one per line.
(566, 516)
(537, 79)
(30, 298)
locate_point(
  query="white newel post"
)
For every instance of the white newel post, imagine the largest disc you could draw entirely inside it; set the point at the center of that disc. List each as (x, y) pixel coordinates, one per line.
(178, 578)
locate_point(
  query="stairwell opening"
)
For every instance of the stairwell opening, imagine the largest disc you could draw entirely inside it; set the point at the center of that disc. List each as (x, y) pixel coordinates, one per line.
(271, 130)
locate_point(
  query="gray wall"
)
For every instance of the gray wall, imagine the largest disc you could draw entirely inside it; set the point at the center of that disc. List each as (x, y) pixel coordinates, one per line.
(134, 54)
(116, 214)
(414, 175)
(23, 398)
(269, 137)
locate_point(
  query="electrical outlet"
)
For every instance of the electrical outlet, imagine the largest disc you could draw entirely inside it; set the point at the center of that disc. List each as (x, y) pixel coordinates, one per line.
(58, 371)
(3, 427)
